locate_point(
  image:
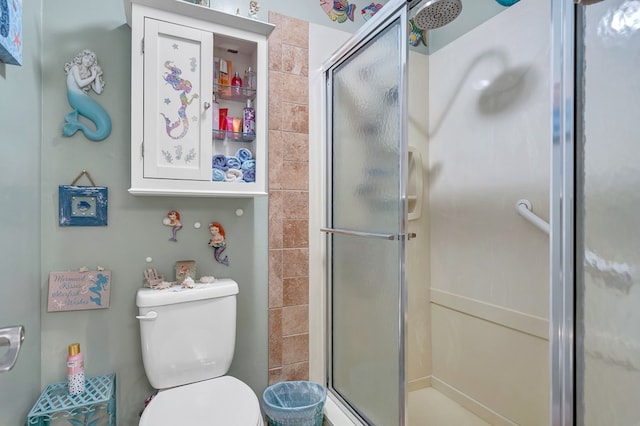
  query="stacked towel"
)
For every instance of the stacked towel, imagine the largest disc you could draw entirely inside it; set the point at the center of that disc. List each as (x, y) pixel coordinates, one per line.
(218, 175)
(219, 161)
(234, 168)
(249, 175)
(243, 154)
(233, 162)
(233, 175)
(249, 164)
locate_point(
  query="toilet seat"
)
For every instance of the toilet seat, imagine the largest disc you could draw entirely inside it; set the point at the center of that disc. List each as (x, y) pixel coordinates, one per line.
(221, 401)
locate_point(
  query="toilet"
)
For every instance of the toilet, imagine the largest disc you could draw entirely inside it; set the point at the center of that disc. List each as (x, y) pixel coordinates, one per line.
(188, 341)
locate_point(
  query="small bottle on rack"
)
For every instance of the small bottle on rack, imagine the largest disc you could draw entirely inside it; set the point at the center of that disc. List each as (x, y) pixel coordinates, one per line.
(215, 125)
(236, 82)
(249, 82)
(249, 122)
(75, 370)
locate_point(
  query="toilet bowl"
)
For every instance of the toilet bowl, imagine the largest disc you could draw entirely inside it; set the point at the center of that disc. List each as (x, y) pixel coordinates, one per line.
(188, 341)
(223, 401)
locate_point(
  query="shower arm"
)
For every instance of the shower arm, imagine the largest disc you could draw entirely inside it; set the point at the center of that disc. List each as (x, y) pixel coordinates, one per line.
(523, 207)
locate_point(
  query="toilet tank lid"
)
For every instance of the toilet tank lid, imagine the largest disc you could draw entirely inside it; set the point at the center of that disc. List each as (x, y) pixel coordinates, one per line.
(147, 297)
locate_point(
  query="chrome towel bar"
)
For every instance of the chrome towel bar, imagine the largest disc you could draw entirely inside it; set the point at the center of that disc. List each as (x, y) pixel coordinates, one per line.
(12, 337)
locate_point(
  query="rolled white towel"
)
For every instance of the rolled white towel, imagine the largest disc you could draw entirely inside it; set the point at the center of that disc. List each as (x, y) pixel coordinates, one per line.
(233, 175)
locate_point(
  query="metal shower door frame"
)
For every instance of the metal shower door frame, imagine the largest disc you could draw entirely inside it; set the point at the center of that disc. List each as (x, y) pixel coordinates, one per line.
(562, 200)
(393, 10)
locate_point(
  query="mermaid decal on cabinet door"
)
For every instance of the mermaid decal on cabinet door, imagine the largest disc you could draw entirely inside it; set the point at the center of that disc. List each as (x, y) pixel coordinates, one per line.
(184, 87)
(83, 74)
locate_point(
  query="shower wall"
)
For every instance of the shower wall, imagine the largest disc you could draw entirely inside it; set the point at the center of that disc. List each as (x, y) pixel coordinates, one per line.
(418, 249)
(488, 140)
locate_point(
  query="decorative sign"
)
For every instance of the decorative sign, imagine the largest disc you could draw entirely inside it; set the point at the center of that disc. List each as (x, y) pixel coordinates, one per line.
(11, 32)
(75, 291)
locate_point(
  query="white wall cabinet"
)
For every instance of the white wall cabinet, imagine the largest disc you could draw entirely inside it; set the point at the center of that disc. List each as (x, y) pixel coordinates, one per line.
(175, 149)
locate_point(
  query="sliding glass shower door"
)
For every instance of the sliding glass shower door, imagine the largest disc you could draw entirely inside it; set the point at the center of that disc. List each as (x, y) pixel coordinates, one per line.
(608, 252)
(366, 222)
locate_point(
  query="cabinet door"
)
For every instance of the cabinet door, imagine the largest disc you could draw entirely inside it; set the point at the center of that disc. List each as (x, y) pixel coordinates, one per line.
(178, 65)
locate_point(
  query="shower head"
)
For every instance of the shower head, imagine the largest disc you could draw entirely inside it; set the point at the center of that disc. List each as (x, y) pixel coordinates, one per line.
(436, 13)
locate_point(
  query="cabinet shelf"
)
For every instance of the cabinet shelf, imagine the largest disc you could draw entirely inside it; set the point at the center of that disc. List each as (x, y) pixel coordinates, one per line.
(233, 93)
(221, 135)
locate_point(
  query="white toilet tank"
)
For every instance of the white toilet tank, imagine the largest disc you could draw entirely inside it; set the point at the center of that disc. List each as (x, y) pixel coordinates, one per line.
(187, 335)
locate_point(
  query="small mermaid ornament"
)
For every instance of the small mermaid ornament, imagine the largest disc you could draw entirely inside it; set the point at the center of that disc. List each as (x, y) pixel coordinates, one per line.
(83, 74)
(173, 220)
(218, 243)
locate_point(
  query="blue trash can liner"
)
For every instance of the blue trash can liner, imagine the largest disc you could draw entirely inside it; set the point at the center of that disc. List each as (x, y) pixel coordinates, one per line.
(294, 403)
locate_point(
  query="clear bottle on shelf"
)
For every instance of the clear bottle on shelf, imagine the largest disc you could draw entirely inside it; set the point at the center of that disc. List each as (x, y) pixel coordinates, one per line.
(249, 82)
(215, 125)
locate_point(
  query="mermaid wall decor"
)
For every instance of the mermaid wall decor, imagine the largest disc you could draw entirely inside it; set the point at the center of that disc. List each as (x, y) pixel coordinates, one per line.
(83, 74)
(218, 242)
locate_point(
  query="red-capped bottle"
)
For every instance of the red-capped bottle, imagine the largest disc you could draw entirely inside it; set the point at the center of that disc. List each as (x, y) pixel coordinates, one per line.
(236, 82)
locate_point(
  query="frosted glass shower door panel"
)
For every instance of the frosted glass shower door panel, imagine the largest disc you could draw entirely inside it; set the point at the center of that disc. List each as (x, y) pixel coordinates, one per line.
(365, 337)
(366, 137)
(608, 258)
(366, 220)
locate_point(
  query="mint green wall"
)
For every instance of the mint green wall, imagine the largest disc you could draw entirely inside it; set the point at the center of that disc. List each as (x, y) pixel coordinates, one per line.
(20, 128)
(109, 337)
(36, 159)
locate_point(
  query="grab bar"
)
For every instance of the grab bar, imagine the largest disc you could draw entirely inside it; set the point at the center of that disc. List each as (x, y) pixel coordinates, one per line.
(12, 337)
(523, 207)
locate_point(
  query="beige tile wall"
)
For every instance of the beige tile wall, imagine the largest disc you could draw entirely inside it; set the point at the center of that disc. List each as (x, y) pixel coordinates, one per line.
(288, 199)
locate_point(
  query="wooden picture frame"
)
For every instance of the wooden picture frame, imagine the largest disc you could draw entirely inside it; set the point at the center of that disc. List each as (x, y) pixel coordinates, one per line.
(82, 205)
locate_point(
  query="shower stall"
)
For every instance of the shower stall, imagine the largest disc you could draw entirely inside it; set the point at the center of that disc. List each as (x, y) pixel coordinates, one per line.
(458, 267)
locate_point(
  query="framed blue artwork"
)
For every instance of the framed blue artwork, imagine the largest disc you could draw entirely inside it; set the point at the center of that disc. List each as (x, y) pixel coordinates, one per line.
(11, 32)
(82, 205)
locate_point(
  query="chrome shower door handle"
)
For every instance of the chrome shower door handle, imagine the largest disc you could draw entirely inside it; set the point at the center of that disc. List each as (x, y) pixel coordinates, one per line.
(391, 237)
(359, 234)
(12, 337)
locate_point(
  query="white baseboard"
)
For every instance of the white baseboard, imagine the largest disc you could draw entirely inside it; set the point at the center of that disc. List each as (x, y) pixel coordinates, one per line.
(477, 408)
(417, 384)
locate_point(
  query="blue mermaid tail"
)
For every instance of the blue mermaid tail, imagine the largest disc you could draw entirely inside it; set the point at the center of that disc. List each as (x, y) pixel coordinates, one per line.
(85, 106)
